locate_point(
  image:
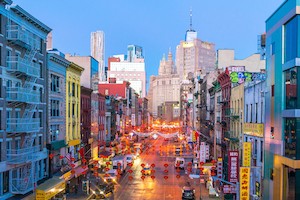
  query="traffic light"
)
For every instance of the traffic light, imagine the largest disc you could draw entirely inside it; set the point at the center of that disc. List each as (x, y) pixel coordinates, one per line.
(84, 186)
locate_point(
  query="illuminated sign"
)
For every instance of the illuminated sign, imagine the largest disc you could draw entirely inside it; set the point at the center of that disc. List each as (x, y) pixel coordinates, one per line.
(233, 166)
(244, 183)
(247, 154)
(241, 77)
(254, 129)
(220, 168)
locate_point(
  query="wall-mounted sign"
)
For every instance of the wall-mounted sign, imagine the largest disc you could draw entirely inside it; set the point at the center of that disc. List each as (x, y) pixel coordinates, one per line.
(241, 77)
(233, 166)
(244, 183)
(220, 168)
(247, 154)
(254, 129)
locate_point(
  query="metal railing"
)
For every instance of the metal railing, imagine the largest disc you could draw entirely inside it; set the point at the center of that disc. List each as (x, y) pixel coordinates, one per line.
(17, 64)
(230, 112)
(21, 94)
(21, 36)
(22, 155)
(21, 125)
(22, 180)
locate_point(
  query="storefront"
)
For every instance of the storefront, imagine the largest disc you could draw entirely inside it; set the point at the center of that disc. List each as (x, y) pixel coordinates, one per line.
(53, 188)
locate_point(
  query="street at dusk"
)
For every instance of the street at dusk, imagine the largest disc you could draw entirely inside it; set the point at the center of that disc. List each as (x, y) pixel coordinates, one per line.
(149, 100)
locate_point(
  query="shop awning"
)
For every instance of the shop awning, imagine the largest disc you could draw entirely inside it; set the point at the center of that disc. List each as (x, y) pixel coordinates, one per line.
(50, 188)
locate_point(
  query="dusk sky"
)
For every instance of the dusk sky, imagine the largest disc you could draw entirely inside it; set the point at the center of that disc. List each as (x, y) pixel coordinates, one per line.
(154, 25)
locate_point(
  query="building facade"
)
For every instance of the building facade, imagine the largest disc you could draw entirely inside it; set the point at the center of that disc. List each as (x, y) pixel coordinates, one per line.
(165, 87)
(89, 77)
(98, 52)
(56, 71)
(133, 72)
(24, 157)
(282, 149)
(253, 131)
(73, 95)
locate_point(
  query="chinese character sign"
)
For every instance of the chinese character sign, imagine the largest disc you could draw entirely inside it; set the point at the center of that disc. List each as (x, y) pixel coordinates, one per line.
(246, 154)
(202, 152)
(244, 183)
(233, 166)
(207, 152)
(220, 168)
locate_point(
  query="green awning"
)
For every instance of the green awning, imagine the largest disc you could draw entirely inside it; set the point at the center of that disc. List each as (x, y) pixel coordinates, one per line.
(55, 145)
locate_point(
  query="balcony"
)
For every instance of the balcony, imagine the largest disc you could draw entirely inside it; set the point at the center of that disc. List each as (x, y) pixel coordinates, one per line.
(19, 156)
(229, 136)
(232, 113)
(17, 65)
(19, 94)
(22, 125)
(19, 36)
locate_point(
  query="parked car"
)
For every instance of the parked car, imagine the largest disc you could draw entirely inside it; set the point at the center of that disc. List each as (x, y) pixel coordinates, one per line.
(147, 170)
(111, 176)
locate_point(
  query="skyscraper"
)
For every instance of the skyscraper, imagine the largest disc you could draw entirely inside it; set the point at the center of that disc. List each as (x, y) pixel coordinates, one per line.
(134, 52)
(194, 55)
(97, 51)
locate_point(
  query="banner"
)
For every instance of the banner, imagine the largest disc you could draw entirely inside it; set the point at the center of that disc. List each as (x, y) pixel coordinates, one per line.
(244, 183)
(247, 154)
(233, 166)
(202, 152)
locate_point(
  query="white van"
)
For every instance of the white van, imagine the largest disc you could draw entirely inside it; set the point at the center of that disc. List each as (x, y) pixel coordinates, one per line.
(179, 163)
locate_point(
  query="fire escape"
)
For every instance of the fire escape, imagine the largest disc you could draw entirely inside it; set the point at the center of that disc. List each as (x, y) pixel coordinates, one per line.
(26, 96)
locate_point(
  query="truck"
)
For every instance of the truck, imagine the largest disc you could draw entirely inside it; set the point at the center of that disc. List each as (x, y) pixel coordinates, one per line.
(119, 163)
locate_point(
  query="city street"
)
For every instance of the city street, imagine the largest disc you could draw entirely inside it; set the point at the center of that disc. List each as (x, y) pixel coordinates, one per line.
(159, 187)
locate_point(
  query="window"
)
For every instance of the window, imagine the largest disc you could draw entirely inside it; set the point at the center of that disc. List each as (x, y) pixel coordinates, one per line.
(291, 93)
(0, 151)
(5, 181)
(246, 113)
(261, 151)
(261, 112)
(41, 118)
(54, 85)
(290, 134)
(73, 89)
(54, 108)
(54, 131)
(250, 113)
(0, 53)
(291, 39)
(256, 112)
(1, 24)
(41, 70)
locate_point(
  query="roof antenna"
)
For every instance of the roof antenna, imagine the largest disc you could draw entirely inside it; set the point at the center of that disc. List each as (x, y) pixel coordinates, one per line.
(191, 15)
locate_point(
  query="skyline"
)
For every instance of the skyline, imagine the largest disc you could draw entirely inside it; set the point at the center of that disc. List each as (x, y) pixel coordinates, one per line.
(237, 28)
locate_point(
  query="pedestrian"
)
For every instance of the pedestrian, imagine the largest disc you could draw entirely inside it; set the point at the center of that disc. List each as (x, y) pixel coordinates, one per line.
(76, 188)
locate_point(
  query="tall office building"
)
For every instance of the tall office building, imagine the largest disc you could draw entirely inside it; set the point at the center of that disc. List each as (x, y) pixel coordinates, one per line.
(282, 123)
(134, 52)
(193, 54)
(97, 51)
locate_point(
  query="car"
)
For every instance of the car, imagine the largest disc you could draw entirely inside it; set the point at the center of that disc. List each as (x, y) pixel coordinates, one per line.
(179, 163)
(147, 170)
(103, 190)
(188, 192)
(111, 176)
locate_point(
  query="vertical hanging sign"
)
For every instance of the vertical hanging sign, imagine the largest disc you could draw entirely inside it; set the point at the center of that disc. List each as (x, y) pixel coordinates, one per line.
(233, 166)
(244, 183)
(246, 154)
(220, 168)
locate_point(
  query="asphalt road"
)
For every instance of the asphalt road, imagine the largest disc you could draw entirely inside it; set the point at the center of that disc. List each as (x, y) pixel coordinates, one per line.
(158, 188)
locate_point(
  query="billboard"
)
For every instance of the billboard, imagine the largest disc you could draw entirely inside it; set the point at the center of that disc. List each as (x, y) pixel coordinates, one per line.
(233, 166)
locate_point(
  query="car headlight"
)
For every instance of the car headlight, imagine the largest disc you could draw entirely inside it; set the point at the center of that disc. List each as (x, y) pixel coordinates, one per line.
(114, 179)
(94, 192)
(101, 192)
